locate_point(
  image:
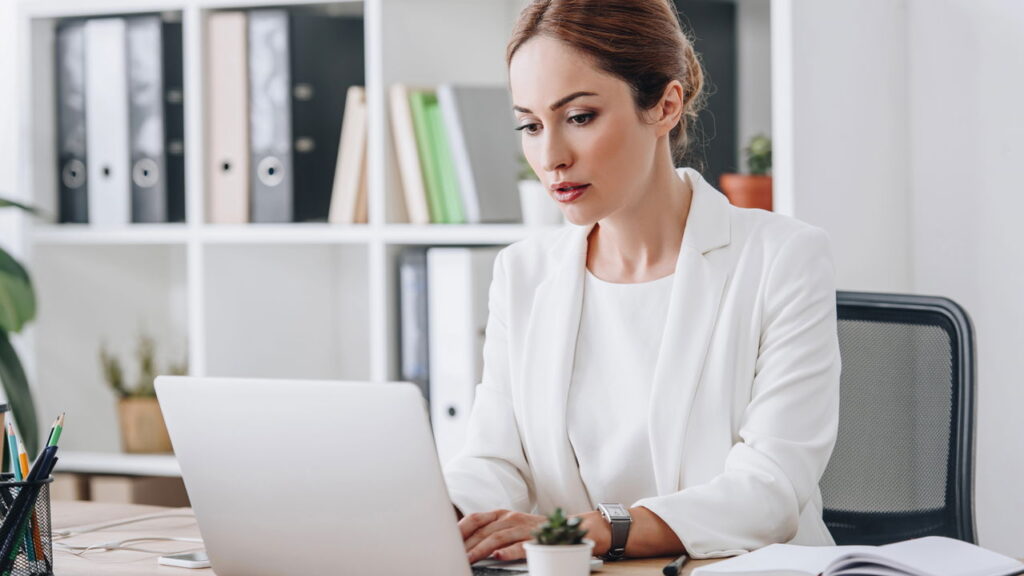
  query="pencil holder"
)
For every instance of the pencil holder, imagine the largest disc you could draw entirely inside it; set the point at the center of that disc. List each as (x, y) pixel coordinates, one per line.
(26, 542)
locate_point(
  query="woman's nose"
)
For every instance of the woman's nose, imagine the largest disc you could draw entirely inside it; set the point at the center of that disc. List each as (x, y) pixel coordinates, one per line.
(556, 154)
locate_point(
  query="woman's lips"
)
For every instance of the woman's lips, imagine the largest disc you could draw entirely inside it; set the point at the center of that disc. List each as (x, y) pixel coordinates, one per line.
(571, 194)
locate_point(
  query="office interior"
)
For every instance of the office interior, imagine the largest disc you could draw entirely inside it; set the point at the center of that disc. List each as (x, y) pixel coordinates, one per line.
(896, 127)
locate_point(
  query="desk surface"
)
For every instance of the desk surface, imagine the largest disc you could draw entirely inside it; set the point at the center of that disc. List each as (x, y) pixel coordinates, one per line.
(180, 523)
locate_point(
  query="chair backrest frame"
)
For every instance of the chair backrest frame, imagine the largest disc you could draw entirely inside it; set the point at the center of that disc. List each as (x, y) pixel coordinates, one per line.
(960, 473)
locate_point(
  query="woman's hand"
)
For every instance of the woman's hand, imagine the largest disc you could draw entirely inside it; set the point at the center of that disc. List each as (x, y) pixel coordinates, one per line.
(499, 532)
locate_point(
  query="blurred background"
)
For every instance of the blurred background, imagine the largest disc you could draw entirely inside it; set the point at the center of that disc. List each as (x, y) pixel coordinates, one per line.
(293, 238)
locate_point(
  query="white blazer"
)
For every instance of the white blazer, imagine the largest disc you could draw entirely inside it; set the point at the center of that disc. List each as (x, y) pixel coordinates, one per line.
(745, 399)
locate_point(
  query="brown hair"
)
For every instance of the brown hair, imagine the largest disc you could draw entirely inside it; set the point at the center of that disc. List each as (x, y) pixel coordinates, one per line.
(637, 41)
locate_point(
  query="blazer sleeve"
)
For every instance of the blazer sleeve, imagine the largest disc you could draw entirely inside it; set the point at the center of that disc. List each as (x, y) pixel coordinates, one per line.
(789, 427)
(491, 470)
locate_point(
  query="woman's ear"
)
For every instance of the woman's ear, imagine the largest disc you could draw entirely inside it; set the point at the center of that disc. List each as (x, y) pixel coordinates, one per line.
(668, 112)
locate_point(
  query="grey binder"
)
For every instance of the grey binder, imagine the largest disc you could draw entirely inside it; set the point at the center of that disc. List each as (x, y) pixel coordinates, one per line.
(73, 201)
(146, 119)
(270, 117)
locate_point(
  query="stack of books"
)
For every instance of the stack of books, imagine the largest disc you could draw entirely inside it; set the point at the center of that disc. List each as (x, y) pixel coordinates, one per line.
(458, 154)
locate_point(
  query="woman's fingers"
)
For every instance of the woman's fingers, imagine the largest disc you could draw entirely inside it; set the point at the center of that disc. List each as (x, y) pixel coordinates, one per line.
(470, 524)
(513, 552)
(500, 520)
(497, 541)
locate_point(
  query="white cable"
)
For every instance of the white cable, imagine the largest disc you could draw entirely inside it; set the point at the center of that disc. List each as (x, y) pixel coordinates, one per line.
(96, 527)
(122, 545)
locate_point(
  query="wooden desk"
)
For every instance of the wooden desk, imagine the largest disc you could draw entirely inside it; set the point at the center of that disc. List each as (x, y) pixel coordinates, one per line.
(72, 515)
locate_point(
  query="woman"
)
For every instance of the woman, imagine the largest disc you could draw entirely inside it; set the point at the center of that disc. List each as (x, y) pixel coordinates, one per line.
(670, 353)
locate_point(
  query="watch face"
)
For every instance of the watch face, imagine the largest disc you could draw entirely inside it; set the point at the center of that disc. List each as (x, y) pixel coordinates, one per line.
(615, 510)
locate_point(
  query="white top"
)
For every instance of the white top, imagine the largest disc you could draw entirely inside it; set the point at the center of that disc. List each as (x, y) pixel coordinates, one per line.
(609, 397)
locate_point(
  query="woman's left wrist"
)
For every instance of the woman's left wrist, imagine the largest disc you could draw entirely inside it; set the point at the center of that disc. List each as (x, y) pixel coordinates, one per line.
(598, 530)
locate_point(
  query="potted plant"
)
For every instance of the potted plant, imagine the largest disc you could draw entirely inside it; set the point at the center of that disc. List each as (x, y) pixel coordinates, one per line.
(753, 190)
(143, 430)
(17, 308)
(559, 548)
(538, 209)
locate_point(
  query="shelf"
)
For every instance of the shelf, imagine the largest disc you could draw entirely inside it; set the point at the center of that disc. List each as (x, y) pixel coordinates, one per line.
(79, 234)
(284, 234)
(72, 8)
(226, 234)
(492, 234)
(118, 463)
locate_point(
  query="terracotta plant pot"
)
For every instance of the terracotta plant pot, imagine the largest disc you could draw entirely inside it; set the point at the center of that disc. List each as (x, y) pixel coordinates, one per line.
(747, 191)
(142, 426)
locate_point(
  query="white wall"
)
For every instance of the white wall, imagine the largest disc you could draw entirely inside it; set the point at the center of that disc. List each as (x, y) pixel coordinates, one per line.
(839, 120)
(967, 132)
(754, 71)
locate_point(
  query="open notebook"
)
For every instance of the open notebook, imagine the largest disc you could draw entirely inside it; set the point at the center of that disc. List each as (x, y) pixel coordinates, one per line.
(931, 556)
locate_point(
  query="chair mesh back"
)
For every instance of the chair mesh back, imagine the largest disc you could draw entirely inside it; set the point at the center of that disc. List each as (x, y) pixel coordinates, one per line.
(895, 471)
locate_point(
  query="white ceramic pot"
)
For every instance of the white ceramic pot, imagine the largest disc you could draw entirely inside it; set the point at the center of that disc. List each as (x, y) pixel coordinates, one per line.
(539, 209)
(559, 560)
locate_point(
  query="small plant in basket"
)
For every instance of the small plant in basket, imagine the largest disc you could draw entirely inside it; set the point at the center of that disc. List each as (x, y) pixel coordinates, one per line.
(142, 424)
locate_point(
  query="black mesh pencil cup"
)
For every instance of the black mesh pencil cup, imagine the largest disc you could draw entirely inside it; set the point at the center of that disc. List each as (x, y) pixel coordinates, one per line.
(26, 542)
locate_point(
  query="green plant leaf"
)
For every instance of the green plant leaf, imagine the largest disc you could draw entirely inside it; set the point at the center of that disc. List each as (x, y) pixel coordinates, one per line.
(4, 203)
(19, 397)
(17, 299)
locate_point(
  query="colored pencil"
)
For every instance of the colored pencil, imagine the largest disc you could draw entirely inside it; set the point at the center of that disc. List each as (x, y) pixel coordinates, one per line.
(58, 427)
(12, 447)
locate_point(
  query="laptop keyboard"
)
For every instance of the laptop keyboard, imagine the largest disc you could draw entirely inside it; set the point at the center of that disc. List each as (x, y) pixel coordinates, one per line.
(488, 571)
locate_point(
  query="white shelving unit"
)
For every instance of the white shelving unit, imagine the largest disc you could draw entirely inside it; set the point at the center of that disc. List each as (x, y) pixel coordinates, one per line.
(292, 300)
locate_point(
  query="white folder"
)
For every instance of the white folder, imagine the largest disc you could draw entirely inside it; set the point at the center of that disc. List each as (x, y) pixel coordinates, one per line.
(228, 118)
(458, 281)
(106, 115)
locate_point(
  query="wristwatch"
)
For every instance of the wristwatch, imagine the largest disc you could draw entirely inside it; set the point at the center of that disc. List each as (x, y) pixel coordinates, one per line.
(618, 516)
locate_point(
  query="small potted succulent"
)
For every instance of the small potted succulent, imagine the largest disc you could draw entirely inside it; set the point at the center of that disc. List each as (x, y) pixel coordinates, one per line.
(559, 548)
(753, 190)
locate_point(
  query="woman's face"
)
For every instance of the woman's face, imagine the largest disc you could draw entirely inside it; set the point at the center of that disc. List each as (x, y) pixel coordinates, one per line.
(580, 128)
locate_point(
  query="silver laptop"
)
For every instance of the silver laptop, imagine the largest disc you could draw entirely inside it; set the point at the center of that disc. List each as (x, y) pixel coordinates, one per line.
(312, 477)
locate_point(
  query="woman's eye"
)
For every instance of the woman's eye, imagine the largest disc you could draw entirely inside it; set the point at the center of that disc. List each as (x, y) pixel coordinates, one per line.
(528, 128)
(581, 119)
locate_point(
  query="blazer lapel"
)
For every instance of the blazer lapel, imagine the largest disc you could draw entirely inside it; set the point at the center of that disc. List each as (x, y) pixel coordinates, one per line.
(693, 309)
(547, 372)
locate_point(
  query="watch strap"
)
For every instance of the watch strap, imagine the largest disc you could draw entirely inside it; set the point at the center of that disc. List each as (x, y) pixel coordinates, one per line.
(620, 525)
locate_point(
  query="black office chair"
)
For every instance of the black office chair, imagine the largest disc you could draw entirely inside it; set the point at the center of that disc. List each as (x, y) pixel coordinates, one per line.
(904, 460)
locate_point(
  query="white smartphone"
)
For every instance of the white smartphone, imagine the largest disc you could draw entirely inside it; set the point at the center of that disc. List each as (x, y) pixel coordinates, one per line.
(186, 560)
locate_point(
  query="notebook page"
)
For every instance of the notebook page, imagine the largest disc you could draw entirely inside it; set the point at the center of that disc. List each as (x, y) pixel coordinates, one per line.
(935, 556)
(780, 560)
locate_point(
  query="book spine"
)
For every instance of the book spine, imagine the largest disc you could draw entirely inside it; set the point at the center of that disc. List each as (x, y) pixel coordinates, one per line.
(446, 98)
(415, 354)
(418, 100)
(106, 98)
(174, 119)
(350, 164)
(270, 117)
(445, 166)
(73, 189)
(408, 158)
(228, 123)
(146, 119)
